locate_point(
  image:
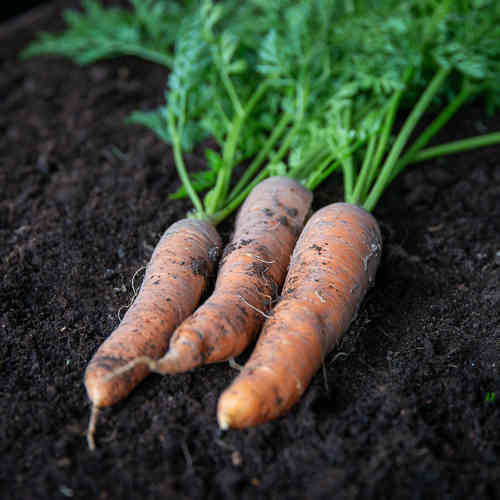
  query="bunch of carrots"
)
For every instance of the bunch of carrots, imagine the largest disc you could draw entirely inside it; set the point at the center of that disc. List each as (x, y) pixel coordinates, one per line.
(294, 90)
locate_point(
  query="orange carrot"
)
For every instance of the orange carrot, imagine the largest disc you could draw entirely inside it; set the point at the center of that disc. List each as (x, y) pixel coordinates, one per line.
(250, 275)
(332, 267)
(175, 278)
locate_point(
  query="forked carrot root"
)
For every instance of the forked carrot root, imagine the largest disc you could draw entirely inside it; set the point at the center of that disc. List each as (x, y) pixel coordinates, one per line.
(332, 267)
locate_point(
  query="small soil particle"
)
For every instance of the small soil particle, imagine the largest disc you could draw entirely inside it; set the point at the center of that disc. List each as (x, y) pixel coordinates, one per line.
(200, 266)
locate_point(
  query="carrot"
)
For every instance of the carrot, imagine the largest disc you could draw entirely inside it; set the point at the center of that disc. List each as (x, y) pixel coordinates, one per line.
(250, 275)
(332, 266)
(175, 278)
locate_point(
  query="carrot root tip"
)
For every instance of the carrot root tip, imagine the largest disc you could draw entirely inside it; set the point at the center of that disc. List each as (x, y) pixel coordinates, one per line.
(94, 413)
(223, 422)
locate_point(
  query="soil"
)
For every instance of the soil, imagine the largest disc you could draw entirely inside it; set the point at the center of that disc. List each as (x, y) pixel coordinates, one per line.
(405, 405)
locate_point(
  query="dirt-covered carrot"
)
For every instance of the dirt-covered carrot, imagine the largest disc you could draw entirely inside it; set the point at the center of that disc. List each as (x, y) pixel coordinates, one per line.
(303, 100)
(175, 278)
(251, 273)
(332, 267)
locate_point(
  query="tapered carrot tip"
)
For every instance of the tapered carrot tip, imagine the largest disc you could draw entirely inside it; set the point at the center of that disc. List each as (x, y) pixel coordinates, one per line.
(104, 390)
(237, 409)
(96, 392)
(175, 278)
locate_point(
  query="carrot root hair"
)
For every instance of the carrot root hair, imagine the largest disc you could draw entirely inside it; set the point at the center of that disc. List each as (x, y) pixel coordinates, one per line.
(251, 272)
(94, 414)
(151, 363)
(179, 270)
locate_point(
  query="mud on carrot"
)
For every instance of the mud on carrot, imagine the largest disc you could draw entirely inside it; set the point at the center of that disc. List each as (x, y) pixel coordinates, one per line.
(332, 266)
(178, 273)
(250, 275)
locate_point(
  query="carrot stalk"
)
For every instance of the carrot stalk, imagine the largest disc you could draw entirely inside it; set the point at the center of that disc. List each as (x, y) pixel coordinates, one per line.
(385, 133)
(384, 178)
(436, 125)
(455, 147)
(261, 156)
(332, 266)
(181, 168)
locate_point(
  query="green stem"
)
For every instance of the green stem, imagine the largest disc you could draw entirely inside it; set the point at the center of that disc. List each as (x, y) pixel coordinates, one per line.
(181, 169)
(228, 84)
(307, 167)
(455, 147)
(437, 124)
(265, 172)
(373, 167)
(347, 163)
(285, 145)
(363, 174)
(321, 172)
(238, 200)
(262, 155)
(332, 161)
(235, 202)
(257, 95)
(225, 173)
(386, 172)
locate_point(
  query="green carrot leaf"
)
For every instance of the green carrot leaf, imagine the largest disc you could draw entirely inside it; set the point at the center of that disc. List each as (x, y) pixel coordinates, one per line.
(148, 30)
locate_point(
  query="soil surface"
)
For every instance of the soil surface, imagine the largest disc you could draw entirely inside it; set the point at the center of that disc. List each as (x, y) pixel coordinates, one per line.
(405, 406)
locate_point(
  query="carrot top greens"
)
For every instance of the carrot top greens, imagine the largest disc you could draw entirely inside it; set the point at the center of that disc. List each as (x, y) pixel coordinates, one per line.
(301, 88)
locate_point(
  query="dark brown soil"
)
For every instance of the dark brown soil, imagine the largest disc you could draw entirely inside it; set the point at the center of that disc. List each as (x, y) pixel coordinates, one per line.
(402, 410)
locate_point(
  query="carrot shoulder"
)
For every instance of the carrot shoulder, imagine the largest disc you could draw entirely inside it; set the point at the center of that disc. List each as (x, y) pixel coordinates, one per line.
(175, 278)
(251, 272)
(332, 267)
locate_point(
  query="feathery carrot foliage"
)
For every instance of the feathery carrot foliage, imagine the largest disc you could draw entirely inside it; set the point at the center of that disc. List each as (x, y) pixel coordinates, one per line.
(301, 88)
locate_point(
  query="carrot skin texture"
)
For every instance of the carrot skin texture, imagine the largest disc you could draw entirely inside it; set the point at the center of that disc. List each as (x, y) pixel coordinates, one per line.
(332, 266)
(251, 271)
(175, 278)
